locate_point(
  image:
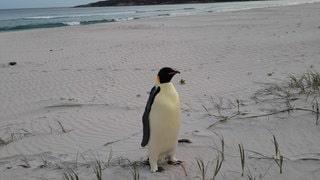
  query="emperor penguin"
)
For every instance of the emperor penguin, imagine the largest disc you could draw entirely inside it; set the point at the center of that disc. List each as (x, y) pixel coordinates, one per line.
(161, 120)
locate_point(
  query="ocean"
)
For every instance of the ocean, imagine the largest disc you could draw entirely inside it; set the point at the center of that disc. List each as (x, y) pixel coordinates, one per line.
(23, 19)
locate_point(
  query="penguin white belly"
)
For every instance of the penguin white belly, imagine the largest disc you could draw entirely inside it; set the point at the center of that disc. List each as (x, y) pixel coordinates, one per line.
(164, 124)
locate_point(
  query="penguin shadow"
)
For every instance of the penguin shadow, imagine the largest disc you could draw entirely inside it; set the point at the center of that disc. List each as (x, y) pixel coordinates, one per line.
(166, 159)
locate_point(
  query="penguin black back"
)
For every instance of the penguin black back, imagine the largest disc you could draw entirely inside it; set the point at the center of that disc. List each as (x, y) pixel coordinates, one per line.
(145, 118)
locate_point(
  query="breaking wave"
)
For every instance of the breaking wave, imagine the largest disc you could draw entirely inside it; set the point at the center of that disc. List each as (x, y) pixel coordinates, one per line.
(52, 25)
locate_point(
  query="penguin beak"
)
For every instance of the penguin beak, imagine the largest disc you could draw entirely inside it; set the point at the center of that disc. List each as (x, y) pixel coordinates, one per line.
(174, 72)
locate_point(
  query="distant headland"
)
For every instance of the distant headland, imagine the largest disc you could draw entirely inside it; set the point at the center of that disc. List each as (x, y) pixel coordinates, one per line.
(151, 2)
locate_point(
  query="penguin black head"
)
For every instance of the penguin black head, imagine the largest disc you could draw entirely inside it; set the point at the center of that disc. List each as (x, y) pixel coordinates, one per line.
(166, 74)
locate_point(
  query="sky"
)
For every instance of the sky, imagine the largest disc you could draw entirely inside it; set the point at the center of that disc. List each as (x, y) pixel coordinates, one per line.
(12, 4)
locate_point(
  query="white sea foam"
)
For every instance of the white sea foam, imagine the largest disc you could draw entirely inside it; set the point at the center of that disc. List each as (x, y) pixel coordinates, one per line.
(81, 15)
(73, 23)
(41, 17)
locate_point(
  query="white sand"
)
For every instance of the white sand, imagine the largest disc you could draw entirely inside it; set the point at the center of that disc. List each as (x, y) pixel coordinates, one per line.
(94, 81)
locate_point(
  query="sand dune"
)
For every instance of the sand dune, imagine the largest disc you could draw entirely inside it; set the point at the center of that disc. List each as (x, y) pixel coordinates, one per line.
(78, 93)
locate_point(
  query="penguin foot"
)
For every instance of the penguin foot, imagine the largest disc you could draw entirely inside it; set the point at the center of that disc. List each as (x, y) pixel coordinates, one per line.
(178, 162)
(146, 162)
(160, 169)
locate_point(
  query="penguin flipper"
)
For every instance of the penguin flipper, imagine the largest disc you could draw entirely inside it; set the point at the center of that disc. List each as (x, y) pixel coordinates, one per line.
(145, 118)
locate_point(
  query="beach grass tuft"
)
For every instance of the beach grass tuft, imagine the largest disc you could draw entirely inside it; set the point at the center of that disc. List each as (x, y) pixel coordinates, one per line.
(70, 174)
(134, 170)
(306, 83)
(315, 108)
(217, 166)
(3, 142)
(45, 162)
(202, 167)
(63, 130)
(250, 176)
(97, 168)
(232, 108)
(242, 158)
(278, 158)
(222, 147)
(109, 157)
(25, 163)
(222, 151)
(16, 135)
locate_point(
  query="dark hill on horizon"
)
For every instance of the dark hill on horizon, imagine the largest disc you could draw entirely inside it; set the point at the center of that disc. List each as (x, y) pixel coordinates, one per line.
(151, 2)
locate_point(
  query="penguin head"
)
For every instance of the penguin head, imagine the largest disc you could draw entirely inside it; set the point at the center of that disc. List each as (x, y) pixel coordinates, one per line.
(166, 74)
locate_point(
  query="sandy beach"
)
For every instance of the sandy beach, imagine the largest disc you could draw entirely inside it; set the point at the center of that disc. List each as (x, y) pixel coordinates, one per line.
(76, 96)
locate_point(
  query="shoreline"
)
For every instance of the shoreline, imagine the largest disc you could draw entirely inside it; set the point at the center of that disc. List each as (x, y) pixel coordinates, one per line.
(144, 3)
(76, 94)
(185, 11)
